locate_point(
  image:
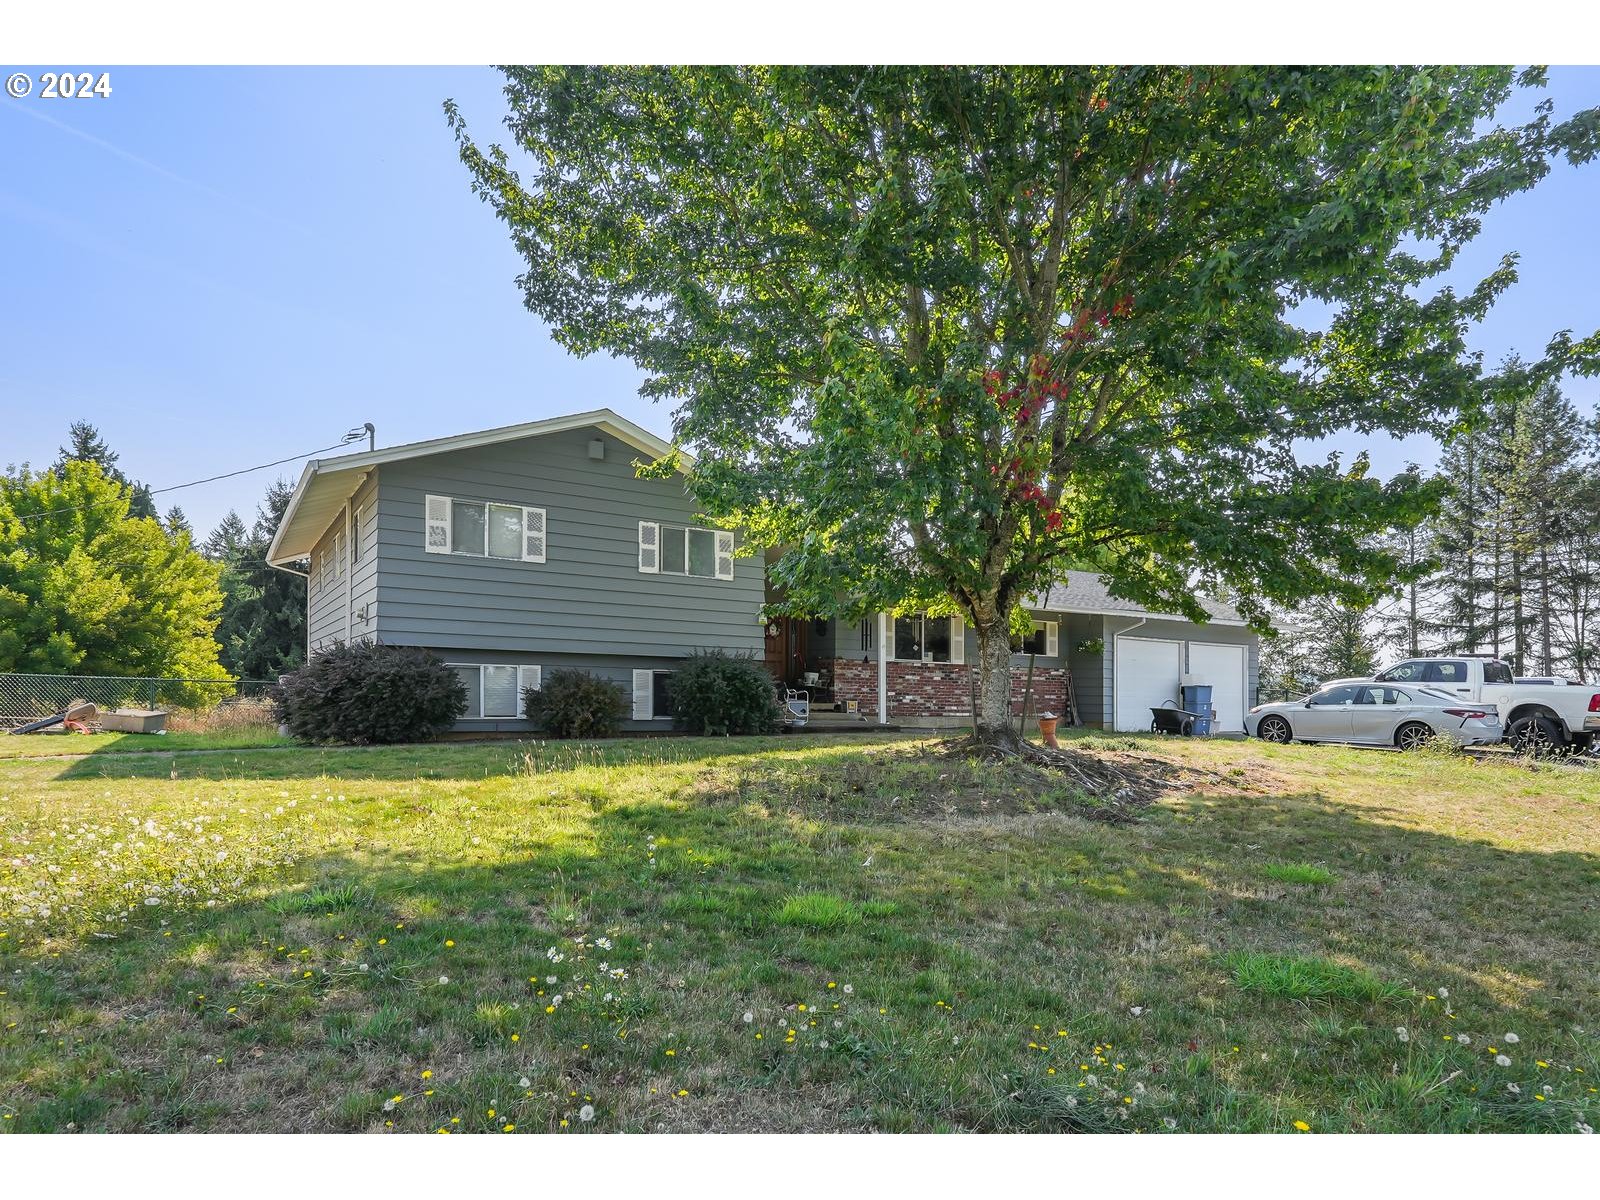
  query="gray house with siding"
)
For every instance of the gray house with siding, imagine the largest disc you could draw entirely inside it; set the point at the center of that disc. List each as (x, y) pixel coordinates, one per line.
(515, 551)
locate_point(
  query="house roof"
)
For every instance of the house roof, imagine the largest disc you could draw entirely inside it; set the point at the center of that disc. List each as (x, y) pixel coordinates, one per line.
(1086, 592)
(327, 483)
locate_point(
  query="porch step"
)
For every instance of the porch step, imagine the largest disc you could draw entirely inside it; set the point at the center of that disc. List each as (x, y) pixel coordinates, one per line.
(816, 726)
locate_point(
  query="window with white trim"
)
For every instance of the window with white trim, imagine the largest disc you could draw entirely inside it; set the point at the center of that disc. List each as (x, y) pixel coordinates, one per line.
(1043, 640)
(685, 550)
(496, 689)
(652, 695)
(484, 529)
(922, 638)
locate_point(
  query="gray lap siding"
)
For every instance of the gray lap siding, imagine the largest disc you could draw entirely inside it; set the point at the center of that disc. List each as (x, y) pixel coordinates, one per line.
(587, 605)
(341, 591)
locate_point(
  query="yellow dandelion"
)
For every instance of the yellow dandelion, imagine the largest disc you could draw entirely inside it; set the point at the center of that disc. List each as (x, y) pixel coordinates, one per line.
(427, 1074)
(507, 1128)
(1302, 1127)
(448, 943)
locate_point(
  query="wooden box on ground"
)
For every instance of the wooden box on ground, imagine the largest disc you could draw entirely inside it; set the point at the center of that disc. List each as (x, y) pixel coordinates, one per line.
(133, 720)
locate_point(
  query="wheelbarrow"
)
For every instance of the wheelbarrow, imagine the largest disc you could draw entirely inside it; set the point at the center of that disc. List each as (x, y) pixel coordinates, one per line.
(1169, 718)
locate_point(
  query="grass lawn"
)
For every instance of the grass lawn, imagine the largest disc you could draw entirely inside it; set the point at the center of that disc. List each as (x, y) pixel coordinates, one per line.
(810, 933)
(57, 745)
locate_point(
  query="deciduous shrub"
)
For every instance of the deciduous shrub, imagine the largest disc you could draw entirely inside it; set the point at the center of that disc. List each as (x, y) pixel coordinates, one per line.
(576, 704)
(362, 693)
(717, 693)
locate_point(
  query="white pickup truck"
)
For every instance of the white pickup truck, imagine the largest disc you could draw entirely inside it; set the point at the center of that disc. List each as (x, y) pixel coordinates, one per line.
(1544, 718)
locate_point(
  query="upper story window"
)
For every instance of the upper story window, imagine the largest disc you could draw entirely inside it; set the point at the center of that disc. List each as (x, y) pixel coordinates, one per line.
(929, 639)
(484, 529)
(685, 550)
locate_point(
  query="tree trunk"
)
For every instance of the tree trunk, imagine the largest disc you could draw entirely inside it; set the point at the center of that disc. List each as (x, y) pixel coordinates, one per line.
(992, 721)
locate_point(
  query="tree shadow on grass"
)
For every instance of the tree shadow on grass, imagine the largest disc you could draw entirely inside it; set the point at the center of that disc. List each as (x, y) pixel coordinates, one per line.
(442, 760)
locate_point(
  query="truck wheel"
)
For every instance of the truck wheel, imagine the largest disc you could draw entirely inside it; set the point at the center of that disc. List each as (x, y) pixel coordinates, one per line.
(1536, 735)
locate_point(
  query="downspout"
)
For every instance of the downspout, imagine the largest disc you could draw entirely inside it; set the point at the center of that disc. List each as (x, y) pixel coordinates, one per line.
(1114, 637)
(883, 670)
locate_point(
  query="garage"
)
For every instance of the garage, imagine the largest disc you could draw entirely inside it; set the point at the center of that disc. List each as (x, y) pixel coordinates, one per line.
(1223, 667)
(1146, 672)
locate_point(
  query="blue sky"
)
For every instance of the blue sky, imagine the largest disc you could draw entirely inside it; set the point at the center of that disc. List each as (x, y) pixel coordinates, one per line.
(219, 267)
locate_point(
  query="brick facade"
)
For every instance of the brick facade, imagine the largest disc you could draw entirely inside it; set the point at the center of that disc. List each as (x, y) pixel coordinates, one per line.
(937, 691)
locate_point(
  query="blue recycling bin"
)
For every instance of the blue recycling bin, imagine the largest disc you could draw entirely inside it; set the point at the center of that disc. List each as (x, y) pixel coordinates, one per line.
(1197, 699)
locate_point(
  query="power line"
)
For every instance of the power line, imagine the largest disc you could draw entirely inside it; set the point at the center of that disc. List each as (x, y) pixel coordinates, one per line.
(178, 487)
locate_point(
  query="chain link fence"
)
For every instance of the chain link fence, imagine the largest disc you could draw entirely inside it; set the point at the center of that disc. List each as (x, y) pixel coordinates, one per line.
(25, 698)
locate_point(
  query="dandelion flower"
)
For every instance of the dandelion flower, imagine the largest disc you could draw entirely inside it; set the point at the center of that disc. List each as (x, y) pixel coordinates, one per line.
(524, 1082)
(1444, 993)
(749, 1017)
(448, 944)
(1463, 1039)
(1500, 1060)
(1511, 1039)
(1401, 1032)
(586, 1113)
(427, 1075)
(508, 1128)
(1302, 1127)
(444, 979)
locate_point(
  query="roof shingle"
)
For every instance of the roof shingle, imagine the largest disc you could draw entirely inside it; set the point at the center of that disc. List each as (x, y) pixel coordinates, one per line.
(1086, 592)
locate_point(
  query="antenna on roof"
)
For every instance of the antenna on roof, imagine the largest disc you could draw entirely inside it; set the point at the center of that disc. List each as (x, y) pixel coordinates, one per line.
(366, 428)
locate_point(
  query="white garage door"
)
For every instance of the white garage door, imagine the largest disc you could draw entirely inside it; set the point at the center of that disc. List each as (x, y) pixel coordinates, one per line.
(1222, 667)
(1144, 673)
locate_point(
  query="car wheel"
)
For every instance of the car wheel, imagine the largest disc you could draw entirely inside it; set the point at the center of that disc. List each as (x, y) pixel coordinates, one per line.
(1274, 729)
(1536, 735)
(1413, 736)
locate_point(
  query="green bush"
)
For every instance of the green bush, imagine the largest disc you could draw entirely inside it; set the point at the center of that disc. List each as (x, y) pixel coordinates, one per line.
(717, 693)
(576, 704)
(361, 693)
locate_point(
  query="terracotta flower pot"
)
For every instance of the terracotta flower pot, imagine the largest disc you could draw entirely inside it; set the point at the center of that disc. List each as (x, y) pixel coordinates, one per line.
(1047, 729)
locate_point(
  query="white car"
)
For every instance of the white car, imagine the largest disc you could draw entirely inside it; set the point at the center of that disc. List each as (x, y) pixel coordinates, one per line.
(1375, 714)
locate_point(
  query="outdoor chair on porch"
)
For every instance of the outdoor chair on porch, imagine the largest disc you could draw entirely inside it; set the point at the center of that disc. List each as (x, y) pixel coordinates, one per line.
(796, 706)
